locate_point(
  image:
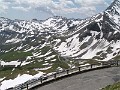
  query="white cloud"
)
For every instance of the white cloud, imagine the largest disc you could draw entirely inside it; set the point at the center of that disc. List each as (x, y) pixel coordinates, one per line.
(22, 8)
(86, 7)
(3, 6)
(82, 7)
(34, 3)
(86, 3)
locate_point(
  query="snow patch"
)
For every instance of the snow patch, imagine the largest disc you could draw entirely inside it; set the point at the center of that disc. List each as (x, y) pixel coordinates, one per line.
(16, 63)
(18, 80)
(14, 40)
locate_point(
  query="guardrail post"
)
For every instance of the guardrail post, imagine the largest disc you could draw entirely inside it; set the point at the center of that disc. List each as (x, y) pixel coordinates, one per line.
(101, 64)
(67, 71)
(91, 66)
(54, 75)
(41, 80)
(117, 62)
(79, 68)
(27, 86)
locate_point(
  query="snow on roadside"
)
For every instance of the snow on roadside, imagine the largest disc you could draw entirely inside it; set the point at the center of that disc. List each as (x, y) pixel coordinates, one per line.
(19, 80)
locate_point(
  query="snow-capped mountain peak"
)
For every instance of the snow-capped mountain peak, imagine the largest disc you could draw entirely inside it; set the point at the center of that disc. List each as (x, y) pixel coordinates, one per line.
(113, 11)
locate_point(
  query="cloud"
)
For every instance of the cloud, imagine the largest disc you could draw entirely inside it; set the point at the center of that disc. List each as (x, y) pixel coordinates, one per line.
(89, 7)
(56, 7)
(21, 8)
(46, 10)
(3, 6)
(82, 7)
(86, 3)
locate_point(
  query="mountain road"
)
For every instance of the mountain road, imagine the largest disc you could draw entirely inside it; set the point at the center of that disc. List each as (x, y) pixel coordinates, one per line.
(93, 80)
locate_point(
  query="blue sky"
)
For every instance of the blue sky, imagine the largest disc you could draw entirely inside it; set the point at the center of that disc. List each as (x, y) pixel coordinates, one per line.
(43, 9)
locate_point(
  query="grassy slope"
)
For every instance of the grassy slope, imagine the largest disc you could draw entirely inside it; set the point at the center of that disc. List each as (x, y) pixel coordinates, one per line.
(115, 86)
(11, 72)
(30, 69)
(15, 55)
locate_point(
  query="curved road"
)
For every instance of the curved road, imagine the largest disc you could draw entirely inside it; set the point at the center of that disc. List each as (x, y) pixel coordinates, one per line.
(93, 80)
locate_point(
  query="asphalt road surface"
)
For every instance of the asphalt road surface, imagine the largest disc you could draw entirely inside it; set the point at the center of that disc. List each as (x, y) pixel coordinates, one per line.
(93, 80)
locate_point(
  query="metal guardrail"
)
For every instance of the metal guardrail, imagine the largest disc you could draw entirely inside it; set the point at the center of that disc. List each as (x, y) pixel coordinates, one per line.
(47, 78)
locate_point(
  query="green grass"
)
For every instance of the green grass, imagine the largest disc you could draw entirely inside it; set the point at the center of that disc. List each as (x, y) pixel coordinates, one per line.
(117, 57)
(33, 65)
(45, 49)
(98, 57)
(58, 63)
(115, 86)
(6, 47)
(91, 61)
(30, 68)
(15, 55)
(37, 63)
(9, 74)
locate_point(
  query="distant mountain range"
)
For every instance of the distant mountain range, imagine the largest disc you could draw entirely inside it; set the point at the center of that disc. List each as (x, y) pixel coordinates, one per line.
(58, 43)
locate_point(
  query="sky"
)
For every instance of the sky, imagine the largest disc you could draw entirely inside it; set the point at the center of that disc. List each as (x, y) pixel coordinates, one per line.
(43, 9)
